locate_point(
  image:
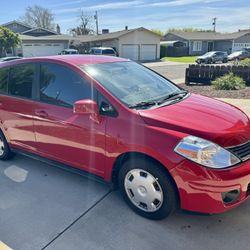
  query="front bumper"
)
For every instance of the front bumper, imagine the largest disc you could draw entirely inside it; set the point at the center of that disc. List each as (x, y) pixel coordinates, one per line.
(201, 188)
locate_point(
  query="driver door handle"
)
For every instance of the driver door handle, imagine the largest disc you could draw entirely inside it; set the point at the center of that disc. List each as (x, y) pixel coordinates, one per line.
(41, 113)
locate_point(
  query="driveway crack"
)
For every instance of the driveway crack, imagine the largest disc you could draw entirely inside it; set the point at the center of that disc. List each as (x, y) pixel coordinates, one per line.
(77, 219)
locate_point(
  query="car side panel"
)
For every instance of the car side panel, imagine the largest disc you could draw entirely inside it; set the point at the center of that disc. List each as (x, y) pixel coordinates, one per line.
(16, 117)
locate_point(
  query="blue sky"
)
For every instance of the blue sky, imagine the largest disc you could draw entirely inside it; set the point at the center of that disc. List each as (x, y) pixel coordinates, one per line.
(232, 15)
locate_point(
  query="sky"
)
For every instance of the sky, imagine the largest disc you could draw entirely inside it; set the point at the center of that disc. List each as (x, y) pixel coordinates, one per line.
(152, 14)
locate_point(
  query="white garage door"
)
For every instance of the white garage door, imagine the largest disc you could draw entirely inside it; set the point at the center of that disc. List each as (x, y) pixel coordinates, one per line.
(30, 50)
(148, 52)
(130, 52)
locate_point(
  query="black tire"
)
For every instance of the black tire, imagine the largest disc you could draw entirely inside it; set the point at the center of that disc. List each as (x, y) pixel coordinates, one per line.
(5, 152)
(224, 60)
(163, 183)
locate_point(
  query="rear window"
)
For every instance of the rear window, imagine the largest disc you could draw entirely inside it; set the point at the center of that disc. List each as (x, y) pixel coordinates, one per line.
(21, 80)
(4, 75)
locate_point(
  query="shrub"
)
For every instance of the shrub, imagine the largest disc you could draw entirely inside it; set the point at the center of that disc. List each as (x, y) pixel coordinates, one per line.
(229, 82)
(245, 62)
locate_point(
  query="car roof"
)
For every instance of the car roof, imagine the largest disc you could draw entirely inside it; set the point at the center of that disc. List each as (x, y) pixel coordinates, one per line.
(75, 60)
(70, 50)
(102, 48)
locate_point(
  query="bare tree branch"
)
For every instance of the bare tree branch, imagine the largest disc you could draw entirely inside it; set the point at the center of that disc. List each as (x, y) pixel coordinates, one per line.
(37, 16)
(85, 27)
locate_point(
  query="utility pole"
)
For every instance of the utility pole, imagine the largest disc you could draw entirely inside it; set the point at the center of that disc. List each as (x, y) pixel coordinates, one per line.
(96, 22)
(214, 23)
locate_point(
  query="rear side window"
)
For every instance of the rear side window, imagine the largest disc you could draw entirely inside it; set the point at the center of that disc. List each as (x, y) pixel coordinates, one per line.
(4, 77)
(62, 86)
(107, 51)
(21, 80)
(97, 51)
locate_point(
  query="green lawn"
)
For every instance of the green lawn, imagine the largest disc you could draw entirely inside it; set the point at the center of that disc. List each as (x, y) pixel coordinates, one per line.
(184, 59)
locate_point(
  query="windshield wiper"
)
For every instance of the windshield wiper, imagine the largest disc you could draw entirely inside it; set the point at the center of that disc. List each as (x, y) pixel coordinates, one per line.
(143, 104)
(172, 96)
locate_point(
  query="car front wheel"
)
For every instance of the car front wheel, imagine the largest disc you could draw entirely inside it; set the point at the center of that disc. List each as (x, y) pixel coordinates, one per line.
(147, 189)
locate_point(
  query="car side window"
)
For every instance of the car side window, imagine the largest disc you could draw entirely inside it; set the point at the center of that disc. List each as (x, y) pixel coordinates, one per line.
(21, 80)
(4, 77)
(60, 85)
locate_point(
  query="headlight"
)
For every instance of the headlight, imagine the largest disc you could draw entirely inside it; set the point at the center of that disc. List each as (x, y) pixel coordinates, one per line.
(205, 153)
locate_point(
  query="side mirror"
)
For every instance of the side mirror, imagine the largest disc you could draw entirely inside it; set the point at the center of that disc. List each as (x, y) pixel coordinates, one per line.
(87, 107)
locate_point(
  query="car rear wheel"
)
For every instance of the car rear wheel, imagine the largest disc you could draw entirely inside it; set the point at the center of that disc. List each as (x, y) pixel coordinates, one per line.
(209, 61)
(5, 152)
(147, 189)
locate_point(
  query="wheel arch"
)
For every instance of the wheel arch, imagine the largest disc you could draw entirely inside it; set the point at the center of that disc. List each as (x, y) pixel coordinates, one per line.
(121, 159)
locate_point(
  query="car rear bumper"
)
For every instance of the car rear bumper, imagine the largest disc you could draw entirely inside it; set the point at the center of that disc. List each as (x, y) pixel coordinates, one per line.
(204, 190)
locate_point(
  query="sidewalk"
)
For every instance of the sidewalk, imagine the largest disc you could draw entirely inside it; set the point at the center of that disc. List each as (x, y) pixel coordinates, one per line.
(243, 104)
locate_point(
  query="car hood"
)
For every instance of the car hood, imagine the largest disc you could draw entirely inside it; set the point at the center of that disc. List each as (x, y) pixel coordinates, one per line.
(204, 117)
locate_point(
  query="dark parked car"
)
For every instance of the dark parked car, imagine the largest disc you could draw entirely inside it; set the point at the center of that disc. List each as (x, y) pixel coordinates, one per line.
(106, 51)
(162, 146)
(239, 55)
(246, 49)
(213, 57)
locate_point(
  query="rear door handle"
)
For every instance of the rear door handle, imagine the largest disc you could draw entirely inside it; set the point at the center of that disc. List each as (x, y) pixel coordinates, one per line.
(42, 114)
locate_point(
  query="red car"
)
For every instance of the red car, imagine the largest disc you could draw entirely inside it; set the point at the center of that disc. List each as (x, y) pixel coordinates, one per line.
(124, 123)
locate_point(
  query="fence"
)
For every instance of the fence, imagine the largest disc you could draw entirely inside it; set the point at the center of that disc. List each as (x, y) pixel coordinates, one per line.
(205, 74)
(173, 51)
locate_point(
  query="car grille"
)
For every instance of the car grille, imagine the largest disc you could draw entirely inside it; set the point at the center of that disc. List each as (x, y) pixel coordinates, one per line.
(242, 151)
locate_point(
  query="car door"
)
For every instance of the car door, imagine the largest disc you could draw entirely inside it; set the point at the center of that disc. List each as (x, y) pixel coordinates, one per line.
(16, 105)
(216, 57)
(60, 134)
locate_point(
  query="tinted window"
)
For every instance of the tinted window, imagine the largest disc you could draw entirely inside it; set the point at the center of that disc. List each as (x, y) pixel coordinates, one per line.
(108, 51)
(97, 51)
(4, 74)
(61, 86)
(21, 80)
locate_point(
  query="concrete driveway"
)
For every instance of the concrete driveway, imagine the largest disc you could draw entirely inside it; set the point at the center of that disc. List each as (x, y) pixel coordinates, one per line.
(44, 207)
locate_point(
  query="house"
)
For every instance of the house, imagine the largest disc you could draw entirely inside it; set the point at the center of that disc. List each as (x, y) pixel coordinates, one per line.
(37, 41)
(137, 44)
(199, 43)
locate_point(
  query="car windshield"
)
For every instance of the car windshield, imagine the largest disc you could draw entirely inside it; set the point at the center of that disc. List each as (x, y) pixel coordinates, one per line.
(130, 82)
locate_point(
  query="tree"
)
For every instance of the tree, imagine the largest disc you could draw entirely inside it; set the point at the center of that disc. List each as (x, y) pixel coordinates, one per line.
(158, 32)
(188, 30)
(85, 27)
(8, 39)
(39, 17)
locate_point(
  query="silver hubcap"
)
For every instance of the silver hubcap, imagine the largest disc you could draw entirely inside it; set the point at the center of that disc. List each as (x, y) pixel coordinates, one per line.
(1, 147)
(143, 190)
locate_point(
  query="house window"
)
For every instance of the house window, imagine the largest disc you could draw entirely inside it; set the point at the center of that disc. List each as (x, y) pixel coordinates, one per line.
(197, 45)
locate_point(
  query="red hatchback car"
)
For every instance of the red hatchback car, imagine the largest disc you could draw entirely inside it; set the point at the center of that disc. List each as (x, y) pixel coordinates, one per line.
(124, 123)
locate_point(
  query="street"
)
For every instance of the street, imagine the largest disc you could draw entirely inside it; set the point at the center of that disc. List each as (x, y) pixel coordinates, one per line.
(171, 70)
